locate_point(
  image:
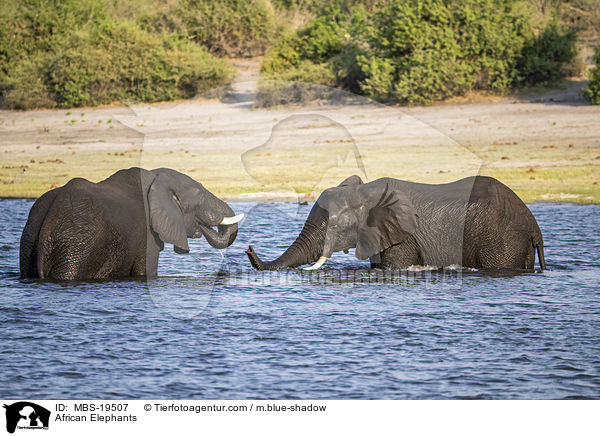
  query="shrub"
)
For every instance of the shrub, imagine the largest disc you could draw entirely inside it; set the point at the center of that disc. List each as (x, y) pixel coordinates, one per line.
(547, 57)
(120, 61)
(70, 53)
(322, 52)
(592, 91)
(24, 86)
(445, 49)
(303, 82)
(225, 27)
(420, 51)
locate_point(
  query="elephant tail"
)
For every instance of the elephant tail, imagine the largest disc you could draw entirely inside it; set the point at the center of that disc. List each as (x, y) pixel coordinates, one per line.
(537, 240)
(540, 251)
(538, 243)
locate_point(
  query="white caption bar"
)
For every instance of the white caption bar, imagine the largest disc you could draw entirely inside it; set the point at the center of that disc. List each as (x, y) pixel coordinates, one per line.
(463, 418)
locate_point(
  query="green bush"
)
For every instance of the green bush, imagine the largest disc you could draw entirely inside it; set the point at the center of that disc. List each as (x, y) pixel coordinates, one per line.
(225, 27)
(69, 53)
(435, 50)
(547, 57)
(86, 52)
(592, 91)
(24, 85)
(322, 52)
(319, 7)
(420, 51)
(122, 62)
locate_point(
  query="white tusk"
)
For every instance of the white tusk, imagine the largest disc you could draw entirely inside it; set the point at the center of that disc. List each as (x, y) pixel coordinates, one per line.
(228, 220)
(317, 265)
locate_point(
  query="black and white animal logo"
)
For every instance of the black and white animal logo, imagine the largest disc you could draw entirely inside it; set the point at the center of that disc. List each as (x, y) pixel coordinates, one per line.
(26, 415)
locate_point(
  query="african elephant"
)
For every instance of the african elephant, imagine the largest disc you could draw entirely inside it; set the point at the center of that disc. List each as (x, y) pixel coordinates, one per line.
(475, 222)
(117, 227)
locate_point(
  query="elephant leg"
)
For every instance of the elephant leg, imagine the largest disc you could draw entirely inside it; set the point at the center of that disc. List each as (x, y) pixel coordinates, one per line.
(138, 268)
(399, 256)
(146, 262)
(514, 250)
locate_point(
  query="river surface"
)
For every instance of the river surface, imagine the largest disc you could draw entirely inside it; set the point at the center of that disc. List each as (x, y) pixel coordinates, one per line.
(212, 328)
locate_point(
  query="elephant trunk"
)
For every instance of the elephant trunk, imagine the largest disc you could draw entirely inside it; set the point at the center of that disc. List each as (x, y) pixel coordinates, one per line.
(225, 234)
(221, 238)
(307, 247)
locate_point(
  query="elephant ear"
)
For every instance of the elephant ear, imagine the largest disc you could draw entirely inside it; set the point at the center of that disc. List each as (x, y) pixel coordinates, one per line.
(390, 221)
(166, 218)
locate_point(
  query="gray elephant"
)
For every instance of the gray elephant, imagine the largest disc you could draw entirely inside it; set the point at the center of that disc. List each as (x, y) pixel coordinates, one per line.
(475, 222)
(117, 227)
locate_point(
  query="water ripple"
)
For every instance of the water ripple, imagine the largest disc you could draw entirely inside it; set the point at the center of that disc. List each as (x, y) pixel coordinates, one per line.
(211, 328)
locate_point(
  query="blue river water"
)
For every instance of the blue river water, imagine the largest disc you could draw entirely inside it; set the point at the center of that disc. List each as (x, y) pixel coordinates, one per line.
(209, 327)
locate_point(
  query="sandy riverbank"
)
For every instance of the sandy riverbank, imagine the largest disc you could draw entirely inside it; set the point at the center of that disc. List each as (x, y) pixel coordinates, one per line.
(546, 149)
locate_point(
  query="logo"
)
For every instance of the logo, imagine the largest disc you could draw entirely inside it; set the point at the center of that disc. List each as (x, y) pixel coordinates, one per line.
(26, 415)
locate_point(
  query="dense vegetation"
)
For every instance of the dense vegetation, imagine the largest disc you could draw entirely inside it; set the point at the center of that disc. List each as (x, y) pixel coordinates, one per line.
(72, 53)
(419, 51)
(225, 27)
(64, 53)
(592, 92)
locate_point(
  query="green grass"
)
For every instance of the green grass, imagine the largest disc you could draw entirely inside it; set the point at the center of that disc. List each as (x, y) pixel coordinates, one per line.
(554, 183)
(543, 174)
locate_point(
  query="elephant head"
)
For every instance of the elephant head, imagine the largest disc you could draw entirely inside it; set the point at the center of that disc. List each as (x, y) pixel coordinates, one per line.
(181, 208)
(369, 217)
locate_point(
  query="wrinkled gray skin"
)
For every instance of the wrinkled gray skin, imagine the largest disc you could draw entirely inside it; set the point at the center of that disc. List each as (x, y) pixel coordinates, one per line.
(474, 222)
(117, 227)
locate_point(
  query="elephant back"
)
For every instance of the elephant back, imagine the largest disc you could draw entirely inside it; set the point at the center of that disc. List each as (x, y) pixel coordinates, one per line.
(489, 194)
(77, 228)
